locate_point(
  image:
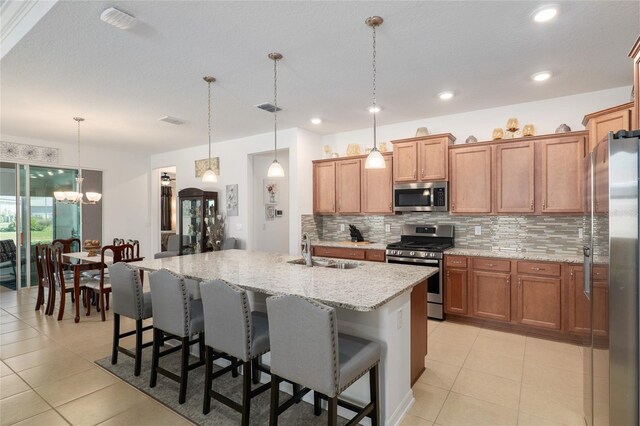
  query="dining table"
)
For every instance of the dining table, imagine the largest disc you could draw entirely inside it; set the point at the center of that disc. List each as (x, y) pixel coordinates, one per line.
(79, 262)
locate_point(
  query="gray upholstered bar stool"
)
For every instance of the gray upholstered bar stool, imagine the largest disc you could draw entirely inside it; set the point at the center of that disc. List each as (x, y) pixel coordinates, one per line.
(175, 316)
(231, 328)
(131, 301)
(306, 348)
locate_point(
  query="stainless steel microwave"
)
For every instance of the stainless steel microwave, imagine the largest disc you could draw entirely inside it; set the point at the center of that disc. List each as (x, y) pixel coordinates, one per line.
(421, 197)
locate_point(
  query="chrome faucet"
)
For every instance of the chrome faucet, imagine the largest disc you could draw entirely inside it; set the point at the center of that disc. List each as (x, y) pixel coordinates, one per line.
(306, 249)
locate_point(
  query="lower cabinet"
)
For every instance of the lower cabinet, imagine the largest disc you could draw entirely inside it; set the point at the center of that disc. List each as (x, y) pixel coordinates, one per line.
(349, 253)
(491, 295)
(539, 301)
(578, 318)
(418, 330)
(455, 292)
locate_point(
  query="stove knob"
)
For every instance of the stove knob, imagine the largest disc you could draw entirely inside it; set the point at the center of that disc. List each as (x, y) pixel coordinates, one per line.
(413, 253)
(425, 254)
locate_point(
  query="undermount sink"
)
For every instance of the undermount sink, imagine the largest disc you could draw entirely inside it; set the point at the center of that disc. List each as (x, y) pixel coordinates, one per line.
(326, 263)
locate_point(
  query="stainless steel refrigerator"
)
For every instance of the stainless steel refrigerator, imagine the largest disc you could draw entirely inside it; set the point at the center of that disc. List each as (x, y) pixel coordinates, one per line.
(611, 270)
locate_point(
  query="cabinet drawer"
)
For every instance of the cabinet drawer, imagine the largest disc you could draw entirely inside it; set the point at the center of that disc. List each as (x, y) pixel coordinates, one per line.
(600, 273)
(339, 252)
(455, 261)
(539, 268)
(374, 255)
(492, 264)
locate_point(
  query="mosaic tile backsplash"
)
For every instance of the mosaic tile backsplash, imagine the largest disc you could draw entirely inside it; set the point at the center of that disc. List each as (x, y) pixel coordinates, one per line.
(537, 234)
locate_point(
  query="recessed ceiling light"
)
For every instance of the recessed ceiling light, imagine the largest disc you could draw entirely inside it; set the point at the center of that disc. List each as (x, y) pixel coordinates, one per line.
(60, 171)
(118, 19)
(541, 76)
(445, 96)
(545, 13)
(50, 173)
(373, 109)
(172, 120)
(316, 120)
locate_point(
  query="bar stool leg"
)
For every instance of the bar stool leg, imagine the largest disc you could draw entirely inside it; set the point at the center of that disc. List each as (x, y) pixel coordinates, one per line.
(317, 410)
(206, 406)
(275, 396)
(333, 411)
(157, 337)
(374, 391)
(246, 392)
(138, 358)
(184, 370)
(255, 372)
(116, 339)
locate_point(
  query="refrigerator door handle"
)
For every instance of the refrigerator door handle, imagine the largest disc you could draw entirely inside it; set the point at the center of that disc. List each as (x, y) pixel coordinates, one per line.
(586, 271)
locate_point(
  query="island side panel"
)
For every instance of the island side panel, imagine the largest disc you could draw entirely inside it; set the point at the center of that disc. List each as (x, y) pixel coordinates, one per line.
(390, 326)
(418, 330)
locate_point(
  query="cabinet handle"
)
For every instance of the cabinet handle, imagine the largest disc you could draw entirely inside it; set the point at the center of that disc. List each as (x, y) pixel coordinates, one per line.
(572, 273)
(453, 207)
(491, 264)
(531, 206)
(422, 172)
(390, 206)
(447, 274)
(544, 204)
(538, 269)
(414, 174)
(519, 282)
(509, 280)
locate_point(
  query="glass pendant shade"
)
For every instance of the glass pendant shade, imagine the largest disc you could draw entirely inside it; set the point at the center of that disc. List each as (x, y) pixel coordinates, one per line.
(94, 197)
(59, 195)
(275, 169)
(375, 160)
(209, 176)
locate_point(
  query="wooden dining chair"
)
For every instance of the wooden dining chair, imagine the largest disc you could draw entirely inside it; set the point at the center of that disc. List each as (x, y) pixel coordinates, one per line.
(101, 286)
(43, 281)
(55, 273)
(68, 245)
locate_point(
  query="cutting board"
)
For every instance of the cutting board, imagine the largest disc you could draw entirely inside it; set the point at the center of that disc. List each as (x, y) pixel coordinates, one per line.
(361, 243)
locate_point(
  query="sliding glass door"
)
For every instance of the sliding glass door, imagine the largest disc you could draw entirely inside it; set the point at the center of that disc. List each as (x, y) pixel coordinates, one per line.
(8, 225)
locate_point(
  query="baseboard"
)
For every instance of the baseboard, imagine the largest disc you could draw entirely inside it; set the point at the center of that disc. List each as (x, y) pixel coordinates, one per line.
(405, 405)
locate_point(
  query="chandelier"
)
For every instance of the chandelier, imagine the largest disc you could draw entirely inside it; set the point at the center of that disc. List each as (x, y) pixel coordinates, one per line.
(375, 160)
(275, 169)
(209, 175)
(73, 197)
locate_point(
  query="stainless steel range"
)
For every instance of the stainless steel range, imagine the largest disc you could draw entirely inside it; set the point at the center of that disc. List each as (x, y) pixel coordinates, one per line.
(424, 245)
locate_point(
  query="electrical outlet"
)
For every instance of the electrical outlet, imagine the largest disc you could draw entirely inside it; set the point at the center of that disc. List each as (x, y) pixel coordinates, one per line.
(478, 230)
(580, 233)
(342, 227)
(399, 319)
(387, 227)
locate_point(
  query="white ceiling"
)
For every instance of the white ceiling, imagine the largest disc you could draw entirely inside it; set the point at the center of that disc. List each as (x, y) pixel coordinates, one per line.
(71, 63)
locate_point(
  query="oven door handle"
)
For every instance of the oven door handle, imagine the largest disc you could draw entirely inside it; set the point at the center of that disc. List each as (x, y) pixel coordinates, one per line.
(436, 262)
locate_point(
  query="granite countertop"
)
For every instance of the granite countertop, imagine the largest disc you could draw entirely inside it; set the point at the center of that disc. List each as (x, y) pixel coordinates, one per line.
(371, 246)
(522, 255)
(365, 288)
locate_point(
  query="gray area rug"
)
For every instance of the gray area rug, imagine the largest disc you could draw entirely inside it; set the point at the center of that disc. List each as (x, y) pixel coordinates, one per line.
(166, 392)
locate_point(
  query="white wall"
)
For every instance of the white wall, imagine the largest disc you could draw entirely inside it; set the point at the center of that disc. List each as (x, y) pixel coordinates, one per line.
(545, 115)
(125, 194)
(270, 235)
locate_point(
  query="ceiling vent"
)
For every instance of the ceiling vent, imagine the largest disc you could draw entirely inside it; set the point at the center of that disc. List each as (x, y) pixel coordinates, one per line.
(268, 107)
(118, 19)
(172, 120)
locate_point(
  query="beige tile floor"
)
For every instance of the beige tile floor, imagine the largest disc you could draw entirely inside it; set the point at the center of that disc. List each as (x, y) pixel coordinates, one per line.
(474, 376)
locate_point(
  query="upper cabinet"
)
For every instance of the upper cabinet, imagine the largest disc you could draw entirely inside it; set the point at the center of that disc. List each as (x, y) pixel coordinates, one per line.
(536, 175)
(560, 178)
(324, 187)
(600, 123)
(344, 186)
(421, 159)
(515, 177)
(470, 188)
(635, 55)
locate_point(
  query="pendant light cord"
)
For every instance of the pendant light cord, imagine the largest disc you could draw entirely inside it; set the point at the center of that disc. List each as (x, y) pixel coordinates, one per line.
(275, 110)
(209, 123)
(374, 88)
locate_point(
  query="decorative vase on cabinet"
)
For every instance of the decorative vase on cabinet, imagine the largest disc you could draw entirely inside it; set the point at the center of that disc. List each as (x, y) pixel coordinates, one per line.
(195, 205)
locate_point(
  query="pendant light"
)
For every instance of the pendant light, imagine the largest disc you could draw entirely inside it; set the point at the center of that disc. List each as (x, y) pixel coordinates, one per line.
(275, 169)
(165, 179)
(209, 175)
(73, 197)
(375, 160)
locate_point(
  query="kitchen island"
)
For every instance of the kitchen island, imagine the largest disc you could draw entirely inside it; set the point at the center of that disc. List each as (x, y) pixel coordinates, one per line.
(373, 300)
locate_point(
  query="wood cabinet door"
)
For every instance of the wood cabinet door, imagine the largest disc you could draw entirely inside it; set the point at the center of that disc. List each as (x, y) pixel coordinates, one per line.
(324, 187)
(561, 168)
(600, 126)
(491, 295)
(579, 309)
(471, 180)
(405, 162)
(539, 301)
(348, 186)
(432, 159)
(377, 188)
(455, 292)
(601, 177)
(515, 177)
